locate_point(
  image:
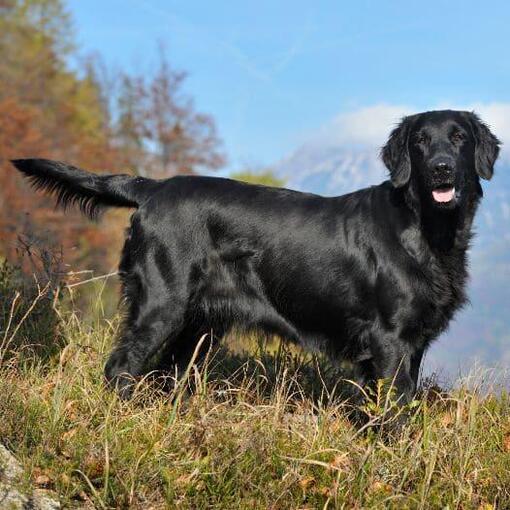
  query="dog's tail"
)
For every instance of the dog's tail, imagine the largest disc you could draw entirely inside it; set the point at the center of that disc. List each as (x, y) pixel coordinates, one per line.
(91, 192)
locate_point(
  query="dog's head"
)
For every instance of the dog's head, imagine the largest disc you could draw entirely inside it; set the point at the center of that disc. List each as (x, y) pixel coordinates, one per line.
(444, 153)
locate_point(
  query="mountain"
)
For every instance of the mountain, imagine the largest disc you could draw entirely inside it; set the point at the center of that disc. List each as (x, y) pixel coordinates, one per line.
(480, 334)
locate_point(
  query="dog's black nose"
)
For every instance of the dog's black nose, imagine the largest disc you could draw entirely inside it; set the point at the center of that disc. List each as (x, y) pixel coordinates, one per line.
(443, 167)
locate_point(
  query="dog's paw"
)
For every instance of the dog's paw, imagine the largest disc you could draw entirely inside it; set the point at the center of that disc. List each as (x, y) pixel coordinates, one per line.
(118, 375)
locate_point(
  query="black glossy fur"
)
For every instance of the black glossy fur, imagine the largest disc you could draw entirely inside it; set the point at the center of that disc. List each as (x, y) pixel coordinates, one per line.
(373, 276)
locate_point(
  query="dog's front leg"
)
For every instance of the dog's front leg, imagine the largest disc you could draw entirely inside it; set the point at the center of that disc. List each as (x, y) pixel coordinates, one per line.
(390, 375)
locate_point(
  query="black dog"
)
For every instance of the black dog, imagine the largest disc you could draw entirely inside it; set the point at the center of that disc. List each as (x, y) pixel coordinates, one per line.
(373, 276)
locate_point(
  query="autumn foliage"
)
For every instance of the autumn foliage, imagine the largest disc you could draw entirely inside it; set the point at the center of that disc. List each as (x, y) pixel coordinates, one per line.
(143, 126)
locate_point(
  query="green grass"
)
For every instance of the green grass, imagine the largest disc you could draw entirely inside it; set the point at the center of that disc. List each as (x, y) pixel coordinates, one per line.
(266, 430)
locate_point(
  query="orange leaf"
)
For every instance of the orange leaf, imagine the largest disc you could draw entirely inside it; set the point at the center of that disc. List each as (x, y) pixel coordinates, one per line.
(307, 482)
(506, 442)
(43, 480)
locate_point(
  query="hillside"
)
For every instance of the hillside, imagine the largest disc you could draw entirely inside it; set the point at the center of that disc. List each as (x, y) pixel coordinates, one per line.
(267, 429)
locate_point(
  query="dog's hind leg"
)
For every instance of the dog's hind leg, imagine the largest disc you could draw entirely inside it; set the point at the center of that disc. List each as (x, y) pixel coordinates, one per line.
(136, 347)
(140, 341)
(156, 309)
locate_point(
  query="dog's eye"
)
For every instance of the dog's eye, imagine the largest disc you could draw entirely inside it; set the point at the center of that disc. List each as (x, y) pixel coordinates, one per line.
(457, 137)
(420, 139)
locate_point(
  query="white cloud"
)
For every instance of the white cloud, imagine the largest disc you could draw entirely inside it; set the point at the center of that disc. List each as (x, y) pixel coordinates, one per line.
(369, 126)
(505, 211)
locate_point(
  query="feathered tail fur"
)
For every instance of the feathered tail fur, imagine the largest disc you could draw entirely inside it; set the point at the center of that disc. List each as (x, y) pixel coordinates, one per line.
(91, 192)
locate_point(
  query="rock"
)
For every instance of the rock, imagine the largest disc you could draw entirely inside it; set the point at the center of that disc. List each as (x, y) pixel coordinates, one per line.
(10, 468)
(44, 500)
(11, 498)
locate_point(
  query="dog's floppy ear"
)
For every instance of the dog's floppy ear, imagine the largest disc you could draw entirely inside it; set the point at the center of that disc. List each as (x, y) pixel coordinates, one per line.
(486, 149)
(395, 154)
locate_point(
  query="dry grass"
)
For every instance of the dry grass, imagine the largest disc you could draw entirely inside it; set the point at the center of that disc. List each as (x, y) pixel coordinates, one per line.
(261, 431)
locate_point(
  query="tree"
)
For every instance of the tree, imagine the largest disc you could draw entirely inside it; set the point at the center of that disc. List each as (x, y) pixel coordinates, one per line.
(159, 130)
(264, 176)
(131, 131)
(48, 110)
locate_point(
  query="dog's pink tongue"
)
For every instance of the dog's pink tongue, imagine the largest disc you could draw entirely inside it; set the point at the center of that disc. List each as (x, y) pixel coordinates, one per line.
(443, 195)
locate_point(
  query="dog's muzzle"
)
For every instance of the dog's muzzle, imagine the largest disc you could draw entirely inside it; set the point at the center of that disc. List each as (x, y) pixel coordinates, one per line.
(443, 188)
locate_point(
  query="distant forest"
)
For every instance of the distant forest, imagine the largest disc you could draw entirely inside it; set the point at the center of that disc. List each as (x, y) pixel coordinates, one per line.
(89, 117)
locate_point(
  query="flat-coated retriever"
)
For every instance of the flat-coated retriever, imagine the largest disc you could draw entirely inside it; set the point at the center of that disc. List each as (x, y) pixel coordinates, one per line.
(372, 276)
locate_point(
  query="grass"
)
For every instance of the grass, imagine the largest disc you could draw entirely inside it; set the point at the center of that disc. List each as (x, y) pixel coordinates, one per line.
(266, 430)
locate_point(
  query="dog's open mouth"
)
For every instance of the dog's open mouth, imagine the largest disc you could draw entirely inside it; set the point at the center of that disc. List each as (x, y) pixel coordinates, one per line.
(444, 194)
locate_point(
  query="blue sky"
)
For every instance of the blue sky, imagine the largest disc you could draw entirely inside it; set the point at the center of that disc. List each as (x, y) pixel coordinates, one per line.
(273, 74)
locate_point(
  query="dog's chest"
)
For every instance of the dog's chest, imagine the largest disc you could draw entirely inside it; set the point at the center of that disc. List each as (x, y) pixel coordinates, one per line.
(439, 294)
